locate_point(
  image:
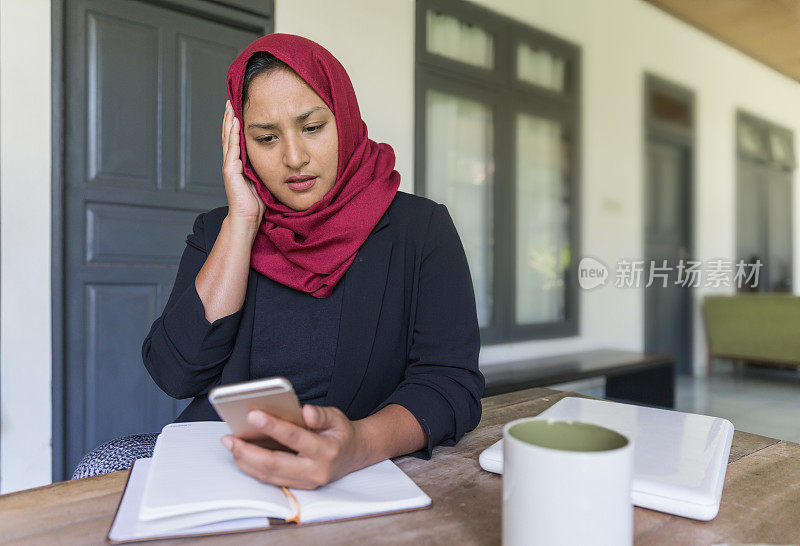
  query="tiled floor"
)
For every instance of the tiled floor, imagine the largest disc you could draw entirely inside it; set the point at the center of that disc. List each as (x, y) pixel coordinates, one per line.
(755, 399)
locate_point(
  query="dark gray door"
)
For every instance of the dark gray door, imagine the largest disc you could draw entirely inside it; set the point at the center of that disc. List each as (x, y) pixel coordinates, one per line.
(144, 95)
(667, 233)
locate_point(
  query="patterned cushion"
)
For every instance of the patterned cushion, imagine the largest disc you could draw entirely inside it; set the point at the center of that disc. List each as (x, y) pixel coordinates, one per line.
(115, 455)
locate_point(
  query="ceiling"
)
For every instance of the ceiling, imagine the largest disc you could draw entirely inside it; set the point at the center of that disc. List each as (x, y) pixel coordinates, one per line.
(767, 30)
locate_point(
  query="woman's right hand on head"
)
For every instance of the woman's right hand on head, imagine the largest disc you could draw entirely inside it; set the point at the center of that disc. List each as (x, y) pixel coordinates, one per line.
(245, 207)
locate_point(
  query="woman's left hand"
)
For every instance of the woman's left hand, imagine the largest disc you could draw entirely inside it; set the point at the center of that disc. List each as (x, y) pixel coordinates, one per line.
(331, 448)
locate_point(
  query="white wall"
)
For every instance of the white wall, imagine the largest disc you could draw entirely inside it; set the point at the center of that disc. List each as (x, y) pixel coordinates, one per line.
(374, 41)
(620, 40)
(25, 294)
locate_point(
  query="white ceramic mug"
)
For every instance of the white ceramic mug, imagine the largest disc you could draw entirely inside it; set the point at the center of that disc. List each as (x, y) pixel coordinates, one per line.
(566, 482)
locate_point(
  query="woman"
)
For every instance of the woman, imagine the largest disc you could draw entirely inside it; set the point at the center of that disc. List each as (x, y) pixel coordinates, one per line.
(319, 270)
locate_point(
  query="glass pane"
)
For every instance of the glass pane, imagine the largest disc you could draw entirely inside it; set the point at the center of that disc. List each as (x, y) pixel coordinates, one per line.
(782, 148)
(779, 232)
(749, 231)
(752, 139)
(453, 38)
(459, 172)
(543, 251)
(540, 67)
(670, 110)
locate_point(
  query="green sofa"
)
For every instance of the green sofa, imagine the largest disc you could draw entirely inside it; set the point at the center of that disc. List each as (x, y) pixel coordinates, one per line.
(761, 328)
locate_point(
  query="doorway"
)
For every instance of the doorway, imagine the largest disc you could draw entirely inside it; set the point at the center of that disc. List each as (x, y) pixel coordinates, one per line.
(668, 220)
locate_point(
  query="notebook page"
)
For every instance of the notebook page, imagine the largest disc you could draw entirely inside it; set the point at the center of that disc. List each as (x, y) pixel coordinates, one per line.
(193, 472)
(381, 487)
(126, 525)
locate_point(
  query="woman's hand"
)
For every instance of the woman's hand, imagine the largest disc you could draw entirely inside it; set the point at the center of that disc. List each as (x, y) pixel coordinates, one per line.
(245, 207)
(332, 448)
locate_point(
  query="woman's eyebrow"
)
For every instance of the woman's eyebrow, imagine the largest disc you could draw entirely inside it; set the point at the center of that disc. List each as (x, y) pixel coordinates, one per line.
(303, 116)
(298, 118)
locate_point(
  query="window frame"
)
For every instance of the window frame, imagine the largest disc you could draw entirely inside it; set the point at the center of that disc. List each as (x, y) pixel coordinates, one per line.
(767, 129)
(507, 96)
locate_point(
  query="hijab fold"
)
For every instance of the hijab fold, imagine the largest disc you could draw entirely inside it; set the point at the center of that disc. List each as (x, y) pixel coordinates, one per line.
(311, 250)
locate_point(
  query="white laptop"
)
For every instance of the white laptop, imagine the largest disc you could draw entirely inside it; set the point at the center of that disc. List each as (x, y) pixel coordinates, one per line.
(679, 458)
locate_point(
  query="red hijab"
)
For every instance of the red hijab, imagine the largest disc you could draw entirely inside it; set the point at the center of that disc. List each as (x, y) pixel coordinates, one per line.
(311, 250)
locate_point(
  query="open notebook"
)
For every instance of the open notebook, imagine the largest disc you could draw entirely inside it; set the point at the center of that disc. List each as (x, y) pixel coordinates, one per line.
(193, 487)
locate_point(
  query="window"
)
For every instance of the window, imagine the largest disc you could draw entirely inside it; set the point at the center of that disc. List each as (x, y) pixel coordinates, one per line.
(497, 123)
(764, 201)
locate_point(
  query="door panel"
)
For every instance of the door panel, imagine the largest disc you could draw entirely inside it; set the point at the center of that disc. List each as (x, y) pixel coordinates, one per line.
(145, 93)
(110, 336)
(201, 63)
(122, 94)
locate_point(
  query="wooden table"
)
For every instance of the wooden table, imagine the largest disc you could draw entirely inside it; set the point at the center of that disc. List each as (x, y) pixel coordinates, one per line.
(760, 500)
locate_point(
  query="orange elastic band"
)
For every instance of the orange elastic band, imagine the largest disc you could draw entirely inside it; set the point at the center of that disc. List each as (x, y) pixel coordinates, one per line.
(296, 517)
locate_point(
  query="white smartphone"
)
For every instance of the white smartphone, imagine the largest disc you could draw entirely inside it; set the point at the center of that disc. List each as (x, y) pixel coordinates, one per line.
(273, 395)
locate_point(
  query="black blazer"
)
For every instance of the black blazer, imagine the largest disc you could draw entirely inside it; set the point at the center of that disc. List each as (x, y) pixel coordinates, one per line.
(408, 330)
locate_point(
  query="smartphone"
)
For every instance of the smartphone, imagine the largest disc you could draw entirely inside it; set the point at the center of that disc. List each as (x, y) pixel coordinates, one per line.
(273, 395)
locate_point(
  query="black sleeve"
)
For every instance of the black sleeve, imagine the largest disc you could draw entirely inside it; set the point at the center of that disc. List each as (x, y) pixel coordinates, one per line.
(184, 353)
(443, 386)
